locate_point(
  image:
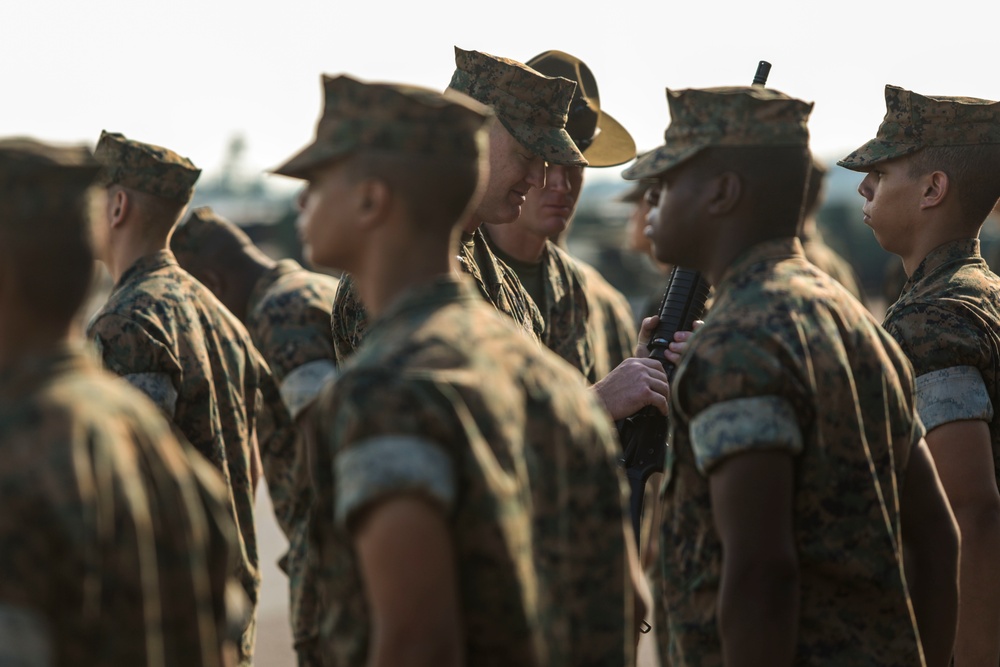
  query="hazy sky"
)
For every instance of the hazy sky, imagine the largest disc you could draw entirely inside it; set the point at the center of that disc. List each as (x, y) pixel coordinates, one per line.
(188, 74)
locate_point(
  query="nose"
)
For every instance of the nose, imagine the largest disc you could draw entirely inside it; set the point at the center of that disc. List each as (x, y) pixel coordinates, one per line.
(536, 172)
(557, 178)
(865, 188)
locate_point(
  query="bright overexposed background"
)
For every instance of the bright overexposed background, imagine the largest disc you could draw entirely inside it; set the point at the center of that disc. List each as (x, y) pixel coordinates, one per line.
(235, 86)
(189, 74)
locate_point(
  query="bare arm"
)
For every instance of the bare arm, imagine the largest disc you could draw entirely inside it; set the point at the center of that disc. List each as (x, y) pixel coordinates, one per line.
(407, 562)
(963, 455)
(759, 593)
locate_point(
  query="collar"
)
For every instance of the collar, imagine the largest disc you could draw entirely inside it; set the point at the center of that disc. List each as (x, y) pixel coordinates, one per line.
(148, 264)
(426, 297)
(945, 253)
(769, 251)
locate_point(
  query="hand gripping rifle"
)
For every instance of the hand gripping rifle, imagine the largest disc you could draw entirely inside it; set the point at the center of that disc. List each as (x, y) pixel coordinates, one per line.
(644, 434)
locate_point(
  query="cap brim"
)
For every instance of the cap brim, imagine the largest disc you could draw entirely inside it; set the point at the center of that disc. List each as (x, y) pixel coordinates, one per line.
(307, 160)
(875, 151)
(657, 161)
(612, 146)
(554, 145)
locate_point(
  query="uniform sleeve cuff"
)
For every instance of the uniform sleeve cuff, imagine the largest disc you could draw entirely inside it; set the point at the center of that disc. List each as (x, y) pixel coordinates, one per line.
(952, 394)
(159, 387)
(387, 465)
(300, 387)
(743, 425)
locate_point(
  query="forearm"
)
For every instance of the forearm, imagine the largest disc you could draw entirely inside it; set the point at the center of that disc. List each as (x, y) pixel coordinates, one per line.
(398, 650)
(758, 613)
(978, 637)
(932, 574)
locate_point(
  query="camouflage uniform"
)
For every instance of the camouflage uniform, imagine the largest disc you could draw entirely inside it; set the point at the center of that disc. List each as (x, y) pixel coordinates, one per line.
(114, 548)
(947, 318)
(108, 554)
(497, 283)
(168, 335)
(524, 467)
(563, 302)
(612, 324)
(770, 368)
(787, 360)
(287, 317)
(479, 450)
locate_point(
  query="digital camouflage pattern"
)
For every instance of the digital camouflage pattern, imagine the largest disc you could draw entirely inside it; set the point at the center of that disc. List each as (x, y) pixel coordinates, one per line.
(947, 318)
(445, 397)
(913, 121)
(115, 545)
(612, 323)
(788, 360)
(144, 167)
(389, 117)
(160, 320)
(533, 107)
(563, 302)
(729, 116)
(497, 283)
(288, 317)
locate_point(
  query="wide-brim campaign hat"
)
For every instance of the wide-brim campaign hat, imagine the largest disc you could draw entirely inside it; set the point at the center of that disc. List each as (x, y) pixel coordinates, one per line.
(739, 116)
(532, 106)
(601, 138)
(913, 121)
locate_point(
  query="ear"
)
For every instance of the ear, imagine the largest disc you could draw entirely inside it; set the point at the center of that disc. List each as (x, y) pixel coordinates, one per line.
(119, 207)
(724, 193)
(934, 188)
(374, 201)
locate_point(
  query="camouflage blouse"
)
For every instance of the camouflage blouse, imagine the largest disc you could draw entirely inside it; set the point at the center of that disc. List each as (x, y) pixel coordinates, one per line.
(947, 321)
(496, 282)
(115, 544)
(165, 332)
(788, 360)
(445, 398)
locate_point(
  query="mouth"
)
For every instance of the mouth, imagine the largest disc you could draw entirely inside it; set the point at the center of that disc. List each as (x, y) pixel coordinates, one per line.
(867, 217)
(518, 197)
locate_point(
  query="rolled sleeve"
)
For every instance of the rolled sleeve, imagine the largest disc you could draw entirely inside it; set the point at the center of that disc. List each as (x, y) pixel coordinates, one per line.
(742, 425)
(300, 386)
(159, 387)
(387, 465)
(952, 394)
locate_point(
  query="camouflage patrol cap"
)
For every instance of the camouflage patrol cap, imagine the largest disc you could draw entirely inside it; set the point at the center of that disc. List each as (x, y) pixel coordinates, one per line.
(533, 107)
(913, 121)
(145, 167)
(731, 116)
(191, 236)
(393, 117)
(39, 176)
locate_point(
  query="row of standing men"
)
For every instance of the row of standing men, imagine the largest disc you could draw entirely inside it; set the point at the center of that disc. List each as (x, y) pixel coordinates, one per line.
(452, 495)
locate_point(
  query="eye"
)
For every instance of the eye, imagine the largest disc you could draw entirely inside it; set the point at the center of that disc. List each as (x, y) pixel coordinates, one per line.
(653, 196)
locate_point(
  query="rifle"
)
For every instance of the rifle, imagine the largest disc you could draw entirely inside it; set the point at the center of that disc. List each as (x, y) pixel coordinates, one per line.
(644, 434)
